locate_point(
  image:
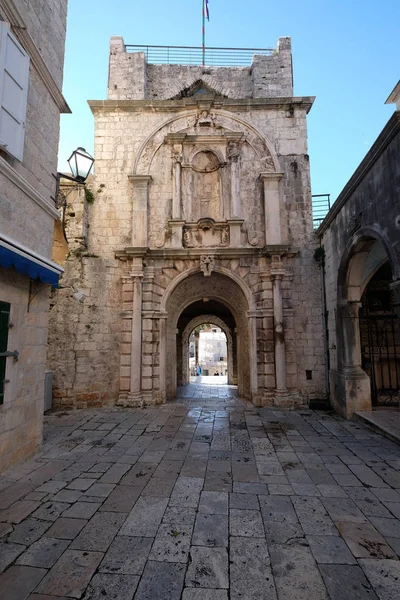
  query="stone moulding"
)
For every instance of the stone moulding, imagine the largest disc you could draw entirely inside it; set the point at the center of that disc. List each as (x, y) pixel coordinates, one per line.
(171, 129)
(129, 253)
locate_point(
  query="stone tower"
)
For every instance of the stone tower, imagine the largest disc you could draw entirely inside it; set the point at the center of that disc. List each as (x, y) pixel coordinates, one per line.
(201, 214)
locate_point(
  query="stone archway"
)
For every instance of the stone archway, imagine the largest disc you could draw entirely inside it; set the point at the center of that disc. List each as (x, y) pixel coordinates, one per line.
(199, 320)
(220, 290)
(364, 256)
(380, 339)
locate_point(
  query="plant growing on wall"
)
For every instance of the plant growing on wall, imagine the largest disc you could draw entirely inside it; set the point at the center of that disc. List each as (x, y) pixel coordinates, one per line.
(89, 196)
(319, 256)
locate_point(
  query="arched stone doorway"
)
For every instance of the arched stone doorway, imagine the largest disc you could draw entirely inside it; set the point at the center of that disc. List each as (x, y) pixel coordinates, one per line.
(217, 296)
(183, 374)
(365, 256)
(380, 340)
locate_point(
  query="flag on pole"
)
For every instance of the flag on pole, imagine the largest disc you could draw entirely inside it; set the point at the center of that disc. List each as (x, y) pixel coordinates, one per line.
(207, 14)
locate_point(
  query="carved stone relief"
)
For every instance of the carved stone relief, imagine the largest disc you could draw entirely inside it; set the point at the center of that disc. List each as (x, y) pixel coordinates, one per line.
(190, 123)
(207, 264)
(205, 119)
(205, 161)
(206, 233)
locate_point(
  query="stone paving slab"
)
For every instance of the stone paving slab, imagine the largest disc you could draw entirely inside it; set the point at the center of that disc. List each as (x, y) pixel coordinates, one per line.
(17, 582)
(126, 555)
(202, 499)
(296, 574)
(111, 586)
(250, 571)
(71, 574)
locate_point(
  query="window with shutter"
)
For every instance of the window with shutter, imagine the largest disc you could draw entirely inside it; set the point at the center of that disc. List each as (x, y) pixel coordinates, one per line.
(14, 79)
(4, 323)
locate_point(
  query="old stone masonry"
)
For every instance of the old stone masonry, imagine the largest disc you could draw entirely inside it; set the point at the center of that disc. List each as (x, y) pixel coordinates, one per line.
(201, 214)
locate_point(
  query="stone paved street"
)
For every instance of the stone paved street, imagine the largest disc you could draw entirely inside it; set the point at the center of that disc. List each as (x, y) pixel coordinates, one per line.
(203, 500)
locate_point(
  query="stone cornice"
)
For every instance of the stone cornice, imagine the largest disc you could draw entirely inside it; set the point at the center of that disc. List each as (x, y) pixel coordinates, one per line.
(11, 14)
(232, 104)
(394, 95)
(391, 129)
(271, 176)
(27, 188)
(217, 252)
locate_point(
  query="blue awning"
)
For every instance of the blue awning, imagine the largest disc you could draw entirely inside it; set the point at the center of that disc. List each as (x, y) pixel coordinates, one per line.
(37, 267)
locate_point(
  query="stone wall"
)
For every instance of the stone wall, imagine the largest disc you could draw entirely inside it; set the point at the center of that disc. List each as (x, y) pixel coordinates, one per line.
(364, 219)
(27, 215)
(132, 78)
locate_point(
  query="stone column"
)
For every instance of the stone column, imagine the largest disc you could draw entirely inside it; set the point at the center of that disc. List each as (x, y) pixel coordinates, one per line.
(272, 208)
(357, 388)
(140, 210)
(279, 339)
(351, 336)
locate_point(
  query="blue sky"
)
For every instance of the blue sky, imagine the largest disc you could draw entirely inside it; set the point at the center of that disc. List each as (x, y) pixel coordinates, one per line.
(346, 53)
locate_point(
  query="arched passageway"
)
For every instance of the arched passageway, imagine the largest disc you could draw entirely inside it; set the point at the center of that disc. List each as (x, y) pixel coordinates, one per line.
(368, 353)
(190, 331)
(379, 336)
(216, 299)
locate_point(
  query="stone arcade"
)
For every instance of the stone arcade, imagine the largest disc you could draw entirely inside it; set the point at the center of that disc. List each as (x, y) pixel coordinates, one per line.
(201, 214)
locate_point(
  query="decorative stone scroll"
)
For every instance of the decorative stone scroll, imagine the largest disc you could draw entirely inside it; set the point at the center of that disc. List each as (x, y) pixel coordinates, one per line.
(206, 233)
(207, 264)
(252, 237)
(165, 235)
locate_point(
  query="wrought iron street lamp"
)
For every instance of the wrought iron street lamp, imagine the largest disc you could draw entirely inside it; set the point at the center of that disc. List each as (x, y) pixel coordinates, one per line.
(80, 163)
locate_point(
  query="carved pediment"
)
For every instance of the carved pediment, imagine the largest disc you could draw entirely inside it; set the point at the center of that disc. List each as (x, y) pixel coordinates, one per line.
(197, 88)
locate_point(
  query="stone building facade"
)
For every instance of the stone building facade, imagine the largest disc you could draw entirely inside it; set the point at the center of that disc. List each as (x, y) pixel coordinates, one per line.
(201, 214)
(361, 240)
(31, 70)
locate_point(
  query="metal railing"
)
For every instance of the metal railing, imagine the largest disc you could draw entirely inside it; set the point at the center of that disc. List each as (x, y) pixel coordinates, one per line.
(321, 205)
(186, 55)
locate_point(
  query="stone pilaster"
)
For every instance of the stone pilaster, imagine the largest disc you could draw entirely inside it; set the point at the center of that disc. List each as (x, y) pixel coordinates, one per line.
(233, 152)
(163, 355)
(272, 208)
(176, 181)
(279, 338)
(132, 293)
(140, 210)
(252, 316)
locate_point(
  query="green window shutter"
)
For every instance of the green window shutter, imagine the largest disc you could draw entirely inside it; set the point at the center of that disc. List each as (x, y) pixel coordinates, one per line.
(4, 321)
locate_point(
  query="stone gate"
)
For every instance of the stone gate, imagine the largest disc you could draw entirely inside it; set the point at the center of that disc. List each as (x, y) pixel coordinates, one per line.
(202, 210)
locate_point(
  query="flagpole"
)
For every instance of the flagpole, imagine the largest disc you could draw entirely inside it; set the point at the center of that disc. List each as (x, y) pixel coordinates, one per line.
(204, 34)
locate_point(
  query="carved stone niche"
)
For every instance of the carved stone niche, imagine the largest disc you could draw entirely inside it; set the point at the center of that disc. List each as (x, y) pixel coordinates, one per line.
(206, 233)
